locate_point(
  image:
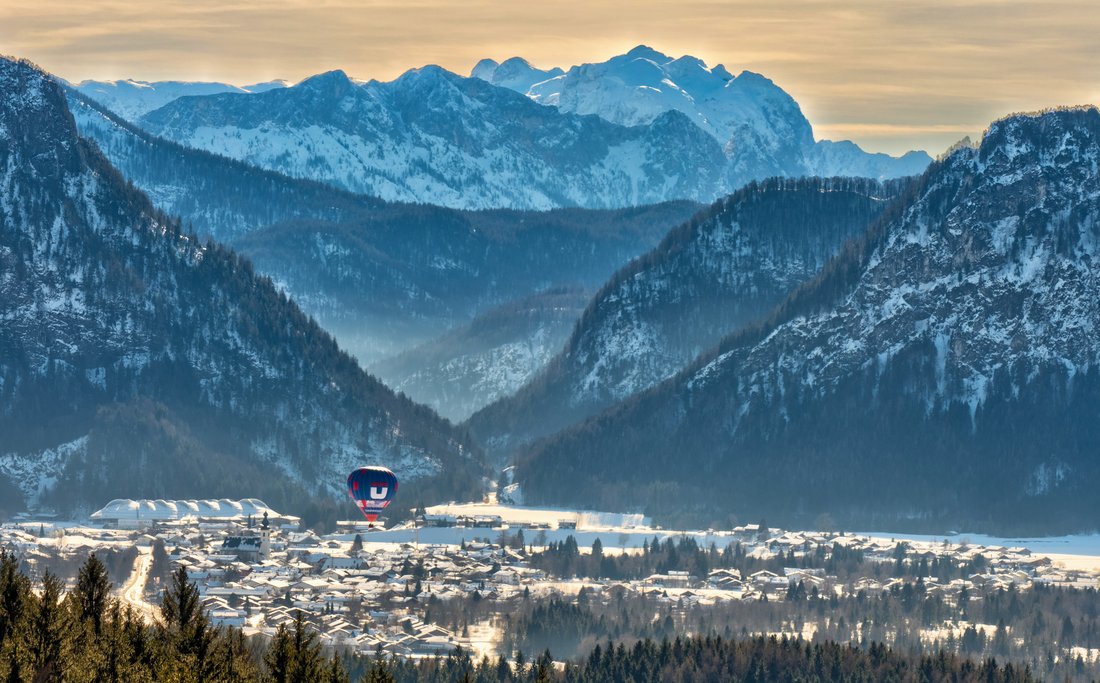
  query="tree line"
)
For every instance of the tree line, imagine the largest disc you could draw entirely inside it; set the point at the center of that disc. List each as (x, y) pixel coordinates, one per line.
(48, 634)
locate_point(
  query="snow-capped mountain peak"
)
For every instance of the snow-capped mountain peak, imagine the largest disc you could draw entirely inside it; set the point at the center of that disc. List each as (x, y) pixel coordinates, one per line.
(425, 78)
(324, 79)
(643, 52)
(639, 128)
(484, 69)
(132, 99)
(267, 85)
(635, 88)
(758, 124)
(515, 73)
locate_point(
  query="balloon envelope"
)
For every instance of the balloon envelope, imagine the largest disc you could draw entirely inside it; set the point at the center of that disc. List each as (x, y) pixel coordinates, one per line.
(372, 489)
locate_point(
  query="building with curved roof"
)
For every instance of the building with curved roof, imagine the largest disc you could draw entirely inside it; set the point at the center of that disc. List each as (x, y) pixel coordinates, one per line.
(124, 512)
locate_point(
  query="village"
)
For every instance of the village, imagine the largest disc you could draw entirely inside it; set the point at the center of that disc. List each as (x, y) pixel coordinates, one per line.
(365, 589)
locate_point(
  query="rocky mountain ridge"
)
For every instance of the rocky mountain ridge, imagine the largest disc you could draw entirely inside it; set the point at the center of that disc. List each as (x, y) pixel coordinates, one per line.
(612, 135)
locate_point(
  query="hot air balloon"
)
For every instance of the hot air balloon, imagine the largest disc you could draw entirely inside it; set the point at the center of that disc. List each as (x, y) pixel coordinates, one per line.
(372, 489)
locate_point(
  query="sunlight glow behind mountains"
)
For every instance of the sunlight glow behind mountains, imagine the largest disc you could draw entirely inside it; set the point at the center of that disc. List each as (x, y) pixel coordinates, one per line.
(891, 76)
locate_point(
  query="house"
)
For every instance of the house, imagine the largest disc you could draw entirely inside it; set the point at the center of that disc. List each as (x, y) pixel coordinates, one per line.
(245, 548)
(440, 520)
(507, 576)
(764, 578)
(227, 617)
(487, 521)
(673, 579)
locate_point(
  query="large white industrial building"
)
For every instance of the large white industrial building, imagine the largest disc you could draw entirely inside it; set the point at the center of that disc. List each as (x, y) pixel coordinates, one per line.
(133, 514)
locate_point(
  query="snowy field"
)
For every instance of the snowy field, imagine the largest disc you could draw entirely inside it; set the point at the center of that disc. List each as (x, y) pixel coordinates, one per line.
(1074, 552)
(1045, 545)
(618, 532)
(629, 531)
(550, 516)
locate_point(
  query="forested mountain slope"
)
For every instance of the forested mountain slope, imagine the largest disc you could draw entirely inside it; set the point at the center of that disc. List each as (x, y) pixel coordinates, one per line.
(727, 266)
(139, 361)
(941, 371)
(489, 358)
(216, 196)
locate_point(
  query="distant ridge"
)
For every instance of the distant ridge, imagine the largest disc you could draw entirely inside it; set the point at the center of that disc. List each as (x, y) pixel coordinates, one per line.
(664, 129)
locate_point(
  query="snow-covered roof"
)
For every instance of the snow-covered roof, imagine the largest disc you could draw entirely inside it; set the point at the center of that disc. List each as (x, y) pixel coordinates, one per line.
(124, 508)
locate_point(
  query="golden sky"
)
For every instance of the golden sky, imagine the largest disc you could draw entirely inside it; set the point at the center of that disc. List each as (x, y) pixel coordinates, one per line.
(890, 75)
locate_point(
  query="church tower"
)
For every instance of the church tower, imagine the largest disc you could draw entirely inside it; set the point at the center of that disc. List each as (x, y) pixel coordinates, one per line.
(265, 538)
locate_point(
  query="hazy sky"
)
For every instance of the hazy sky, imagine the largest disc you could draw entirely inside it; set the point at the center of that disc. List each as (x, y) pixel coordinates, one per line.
(890, 75)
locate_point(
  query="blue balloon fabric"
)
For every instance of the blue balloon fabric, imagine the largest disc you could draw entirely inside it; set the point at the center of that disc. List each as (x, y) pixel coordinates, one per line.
(372, 489)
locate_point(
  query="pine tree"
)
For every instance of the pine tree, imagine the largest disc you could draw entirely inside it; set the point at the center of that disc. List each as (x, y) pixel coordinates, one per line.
(544, 667)
(305, 660)
(15, 671)
(14, 592)
(379, 672)
(93, 593)
(180, 606)
(186, 625)
(278, 656)
(46, 634)
(161, 564)
(336, 673)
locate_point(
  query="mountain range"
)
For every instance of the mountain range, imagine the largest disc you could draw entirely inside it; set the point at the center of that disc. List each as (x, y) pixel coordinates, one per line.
(382, 276)
(941, 370)
(132, 99)
(727, 266)
(140, 360)
(917, 351)
(434, 137)
(760, 127)
(640, 128)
